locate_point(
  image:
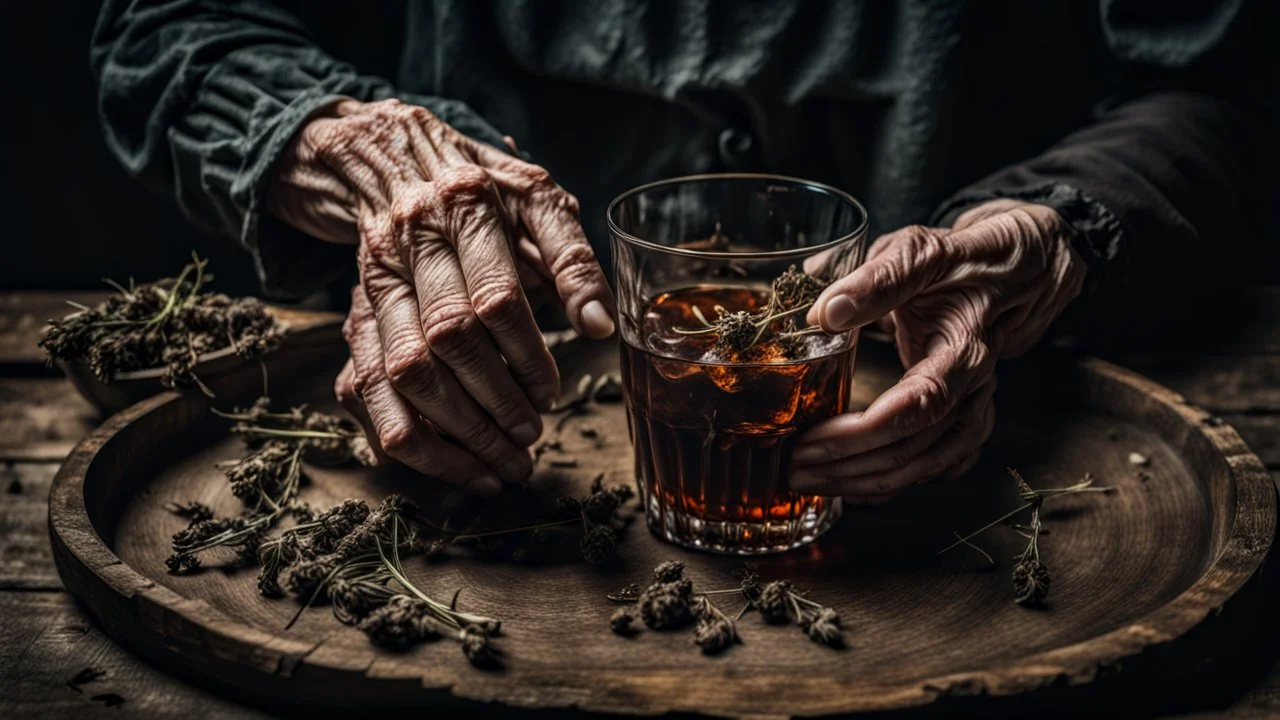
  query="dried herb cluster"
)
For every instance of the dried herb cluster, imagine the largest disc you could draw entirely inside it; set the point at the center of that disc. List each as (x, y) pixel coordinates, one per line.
(169, 323)
(790, 295)
(266, 480)
(364, 557)
(670, 602)
(352, 556)
(1031, 578)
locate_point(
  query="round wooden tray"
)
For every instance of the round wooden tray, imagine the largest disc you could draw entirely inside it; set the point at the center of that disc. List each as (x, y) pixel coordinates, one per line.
(1140, 576)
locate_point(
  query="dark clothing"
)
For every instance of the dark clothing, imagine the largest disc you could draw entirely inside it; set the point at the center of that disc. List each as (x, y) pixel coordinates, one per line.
(905, 104)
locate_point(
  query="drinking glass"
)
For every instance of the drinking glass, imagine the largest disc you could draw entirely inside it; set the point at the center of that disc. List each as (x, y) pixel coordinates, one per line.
(720, 370)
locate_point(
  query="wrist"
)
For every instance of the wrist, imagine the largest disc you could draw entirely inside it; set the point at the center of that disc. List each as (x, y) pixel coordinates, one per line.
(306, 194)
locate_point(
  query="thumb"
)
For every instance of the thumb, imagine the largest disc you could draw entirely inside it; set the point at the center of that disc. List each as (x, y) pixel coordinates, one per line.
(911, 260)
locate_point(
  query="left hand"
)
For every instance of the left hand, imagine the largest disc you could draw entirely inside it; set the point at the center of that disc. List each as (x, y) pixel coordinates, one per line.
(956, 300)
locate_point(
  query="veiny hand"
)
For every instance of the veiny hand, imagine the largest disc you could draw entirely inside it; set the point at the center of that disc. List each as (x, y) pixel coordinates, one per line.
(448, 369)
(956, 300)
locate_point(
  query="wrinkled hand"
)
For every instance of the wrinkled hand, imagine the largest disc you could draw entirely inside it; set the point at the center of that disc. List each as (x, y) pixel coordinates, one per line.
(955, 300)
(448, 369)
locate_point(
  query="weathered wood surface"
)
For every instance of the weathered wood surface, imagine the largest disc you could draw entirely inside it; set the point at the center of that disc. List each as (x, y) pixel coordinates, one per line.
(1223, 383)
(1138, 569)
(42, 418)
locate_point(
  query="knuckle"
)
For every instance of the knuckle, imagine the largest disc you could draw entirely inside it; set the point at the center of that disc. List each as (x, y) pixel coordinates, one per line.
(406, 369)
(574, 264)
(463, 184)
(935, 400)
(412, 207)
(450, 329)
(498, 306)
(923, 246)
(396, 439)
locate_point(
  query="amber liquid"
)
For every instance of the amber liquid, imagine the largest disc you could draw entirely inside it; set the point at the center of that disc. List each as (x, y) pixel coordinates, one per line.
(714, 430)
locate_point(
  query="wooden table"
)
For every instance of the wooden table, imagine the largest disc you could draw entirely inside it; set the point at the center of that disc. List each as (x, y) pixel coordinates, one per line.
(55, 661)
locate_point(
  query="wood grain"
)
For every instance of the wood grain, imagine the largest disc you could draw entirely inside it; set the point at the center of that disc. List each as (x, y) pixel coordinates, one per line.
(41, 418)
(1134, 572)
(55, 663)
(26, 559)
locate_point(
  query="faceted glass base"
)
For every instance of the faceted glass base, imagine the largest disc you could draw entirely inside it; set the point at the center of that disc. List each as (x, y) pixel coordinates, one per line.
(741, 538)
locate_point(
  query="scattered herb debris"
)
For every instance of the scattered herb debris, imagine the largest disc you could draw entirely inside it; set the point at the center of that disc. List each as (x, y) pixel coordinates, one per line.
(1031, 579)
(671, 602)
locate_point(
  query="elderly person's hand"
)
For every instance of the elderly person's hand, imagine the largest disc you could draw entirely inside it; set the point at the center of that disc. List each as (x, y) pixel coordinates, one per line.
(448, 369)
(956, 300)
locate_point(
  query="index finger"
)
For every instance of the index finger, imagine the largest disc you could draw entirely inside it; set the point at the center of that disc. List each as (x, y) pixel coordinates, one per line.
(550, 214)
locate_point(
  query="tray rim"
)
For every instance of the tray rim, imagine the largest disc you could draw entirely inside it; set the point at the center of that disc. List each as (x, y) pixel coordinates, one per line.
(92, 568)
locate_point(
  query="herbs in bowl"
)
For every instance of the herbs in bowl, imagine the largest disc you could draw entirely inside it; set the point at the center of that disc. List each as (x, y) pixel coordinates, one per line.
(162, 331)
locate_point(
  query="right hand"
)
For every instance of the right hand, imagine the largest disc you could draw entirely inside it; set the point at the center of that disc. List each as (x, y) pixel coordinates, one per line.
(448, 369)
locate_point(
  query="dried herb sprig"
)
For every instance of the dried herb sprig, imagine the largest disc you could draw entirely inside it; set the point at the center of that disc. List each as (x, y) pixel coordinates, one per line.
(597, 513)
(267, 482)
(790, 294)
(1031, 578)
(168, 323)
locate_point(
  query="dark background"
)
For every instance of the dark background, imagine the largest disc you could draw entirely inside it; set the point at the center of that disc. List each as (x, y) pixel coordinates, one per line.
(71, 215)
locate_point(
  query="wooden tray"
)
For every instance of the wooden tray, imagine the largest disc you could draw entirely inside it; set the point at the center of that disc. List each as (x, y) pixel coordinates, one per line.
(1133, 571)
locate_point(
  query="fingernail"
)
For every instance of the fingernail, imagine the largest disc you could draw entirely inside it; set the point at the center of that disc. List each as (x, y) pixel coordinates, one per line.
(545, 399)
(525, 434)
(809, 454)
(802, 481)
(596, 320)
(839, 312)
(486, 485)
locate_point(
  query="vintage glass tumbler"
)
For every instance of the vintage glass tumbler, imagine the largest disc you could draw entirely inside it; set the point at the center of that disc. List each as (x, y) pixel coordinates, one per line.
(720, 370)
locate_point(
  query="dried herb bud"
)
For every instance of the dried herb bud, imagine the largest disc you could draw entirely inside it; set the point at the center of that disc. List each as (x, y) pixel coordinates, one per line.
(823, 627)
(774, 602)
(793, 289)
(736, 331)
(600, 507)
(475, 645)
(599, 543)
(669, 571)
(178, 563)
(714, 634)
(352, 601)
(622, 620)
(567, 507)
(307, 576)
(328, 452)
(1030, 582)
(398, 624)
(623, 493)
(666, 605)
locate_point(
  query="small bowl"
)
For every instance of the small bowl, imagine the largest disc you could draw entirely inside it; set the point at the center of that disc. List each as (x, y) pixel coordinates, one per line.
(214, 369)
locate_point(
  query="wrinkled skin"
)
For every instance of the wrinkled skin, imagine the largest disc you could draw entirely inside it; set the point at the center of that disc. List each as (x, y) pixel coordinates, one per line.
(448, 370)
(955, 301)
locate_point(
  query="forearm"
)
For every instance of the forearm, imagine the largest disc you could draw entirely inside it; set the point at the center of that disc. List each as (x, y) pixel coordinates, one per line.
(1148, 189)
(199, 99)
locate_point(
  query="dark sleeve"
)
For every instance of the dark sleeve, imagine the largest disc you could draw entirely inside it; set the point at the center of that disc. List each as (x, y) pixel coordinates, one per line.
(197, 99)
(1171, 179)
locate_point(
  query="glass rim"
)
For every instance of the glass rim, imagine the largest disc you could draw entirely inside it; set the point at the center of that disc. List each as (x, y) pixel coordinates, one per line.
(858, 232)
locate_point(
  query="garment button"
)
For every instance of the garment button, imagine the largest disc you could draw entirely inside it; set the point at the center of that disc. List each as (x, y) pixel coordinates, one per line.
(735, 148)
